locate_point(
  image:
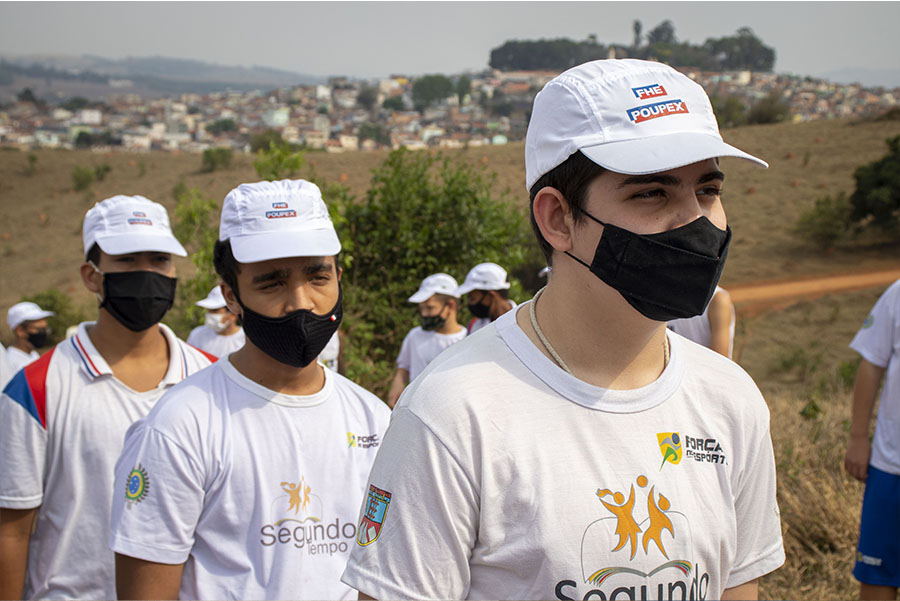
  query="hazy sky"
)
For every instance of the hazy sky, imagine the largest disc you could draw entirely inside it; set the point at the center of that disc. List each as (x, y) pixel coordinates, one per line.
(367, 39)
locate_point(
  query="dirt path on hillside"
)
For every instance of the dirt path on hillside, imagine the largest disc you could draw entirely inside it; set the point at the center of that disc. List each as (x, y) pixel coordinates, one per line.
(753, 297)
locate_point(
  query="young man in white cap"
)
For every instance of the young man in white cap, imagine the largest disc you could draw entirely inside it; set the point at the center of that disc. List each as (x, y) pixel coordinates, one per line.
(877, 461)
(487, 294)
(246, 480)
(28, 324)
(437, 298)
(220, 334)
(714, 328)
(571, 449)
(64, 416)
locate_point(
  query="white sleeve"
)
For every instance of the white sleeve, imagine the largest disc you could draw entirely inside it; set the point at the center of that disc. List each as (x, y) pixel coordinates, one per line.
(759, 543)
(404, 359)
(157, 500)
(428, 526)
(23, 446)
(875, 339)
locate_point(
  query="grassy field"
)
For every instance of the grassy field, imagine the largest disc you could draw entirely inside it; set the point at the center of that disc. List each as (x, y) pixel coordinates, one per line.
(796, 352)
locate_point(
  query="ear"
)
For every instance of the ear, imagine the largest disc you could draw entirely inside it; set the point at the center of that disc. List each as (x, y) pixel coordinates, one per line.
(230, 299)
(91, 278)
(553, 218)
(340, 271)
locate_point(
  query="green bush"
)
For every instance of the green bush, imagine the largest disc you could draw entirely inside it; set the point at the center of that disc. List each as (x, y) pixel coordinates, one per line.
(876, 200)
(67, 314)
(422, 214)
(31, 167)
(82, 178)
(827, 222)
(216, 158)
(278, 162)
(101, 170)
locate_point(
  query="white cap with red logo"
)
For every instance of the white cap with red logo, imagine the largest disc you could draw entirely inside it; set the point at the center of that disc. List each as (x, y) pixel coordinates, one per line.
(629, 116)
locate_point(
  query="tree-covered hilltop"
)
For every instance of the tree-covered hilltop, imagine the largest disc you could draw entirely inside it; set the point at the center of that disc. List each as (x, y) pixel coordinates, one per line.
(741, 51)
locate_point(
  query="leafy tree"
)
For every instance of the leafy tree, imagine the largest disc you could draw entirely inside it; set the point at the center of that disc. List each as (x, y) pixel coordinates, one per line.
(278, 162)
(221, 125)
(394, 103)
(374, 131)
(826, 223)
(637, 27)
(730, 111)
(367, 97)
(551, 55)
(264, 140)
(27, 95)
(664, 33)
(429, 89)
(423, 213)
(76, 103)
(771, 109)
(463, 88)
(196, 225)
(216, 158)
(741, 51)
(876, 200)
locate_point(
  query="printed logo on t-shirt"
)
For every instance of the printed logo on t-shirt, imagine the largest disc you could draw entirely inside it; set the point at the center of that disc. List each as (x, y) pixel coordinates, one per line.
(640, 548)
(137, 485)
(360, 441)
(373, 519)
(670, 447)
(303, 525)
(699, 448)
(868, 559)
(868, 322)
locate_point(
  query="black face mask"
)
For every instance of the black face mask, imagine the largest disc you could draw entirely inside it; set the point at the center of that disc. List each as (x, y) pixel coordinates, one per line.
(665, 276)
(295, 339)
(38, 339)
(433, 322)
(480, 310)
(137, 299)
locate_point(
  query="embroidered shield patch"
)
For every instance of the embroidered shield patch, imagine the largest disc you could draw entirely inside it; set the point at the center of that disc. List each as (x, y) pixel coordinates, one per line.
(373, 519)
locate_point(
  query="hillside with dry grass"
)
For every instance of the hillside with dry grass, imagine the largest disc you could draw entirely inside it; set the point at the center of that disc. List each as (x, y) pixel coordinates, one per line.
(796, 351)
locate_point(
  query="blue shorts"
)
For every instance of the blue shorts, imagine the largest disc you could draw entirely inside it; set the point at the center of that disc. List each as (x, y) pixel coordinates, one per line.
(878, 552)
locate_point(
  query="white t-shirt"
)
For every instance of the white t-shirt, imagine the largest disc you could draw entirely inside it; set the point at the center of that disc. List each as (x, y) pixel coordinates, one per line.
(480, 322)
(697, 328)
(878, 341)
(258, 492)
(17, 359)
(420, 347)
(218, 345)
(5, 371)
(503, 477)
(331, 353)
(62, 422)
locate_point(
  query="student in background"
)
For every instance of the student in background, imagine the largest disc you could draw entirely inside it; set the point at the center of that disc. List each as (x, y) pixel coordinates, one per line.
(220, 333)
(28, 324)
(487, 294)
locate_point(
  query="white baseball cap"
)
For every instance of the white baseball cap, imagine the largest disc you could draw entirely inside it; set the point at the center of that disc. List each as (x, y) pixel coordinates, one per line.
(214, 300)
(22, 312)
(629, 116)
(126, 224)
(438, 283)
(273, 220)
(485, 276)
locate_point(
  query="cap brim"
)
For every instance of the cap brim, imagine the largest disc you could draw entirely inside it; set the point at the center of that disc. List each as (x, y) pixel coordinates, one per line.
(133, 243)
(662, 153)
(421, 296)
(208, 304)
(279, 245)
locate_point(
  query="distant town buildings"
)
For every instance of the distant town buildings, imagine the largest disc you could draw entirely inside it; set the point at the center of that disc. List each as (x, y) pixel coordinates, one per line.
(336, 118)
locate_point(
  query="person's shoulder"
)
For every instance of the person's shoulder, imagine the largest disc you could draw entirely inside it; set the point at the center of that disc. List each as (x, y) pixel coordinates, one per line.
(197, 395)
(353, 392)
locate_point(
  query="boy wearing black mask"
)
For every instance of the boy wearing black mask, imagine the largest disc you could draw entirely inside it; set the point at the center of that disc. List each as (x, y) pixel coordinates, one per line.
(63, 417)
(487, 294)
(571, 449)
(28, 323)
(437, 299)
(246, 480)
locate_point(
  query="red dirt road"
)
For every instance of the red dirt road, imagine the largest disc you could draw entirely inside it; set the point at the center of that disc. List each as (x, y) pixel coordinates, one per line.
(777, 292)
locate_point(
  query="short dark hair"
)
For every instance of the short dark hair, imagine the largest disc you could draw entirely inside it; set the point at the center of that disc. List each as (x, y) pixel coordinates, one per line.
(572, 178)
(93, 254)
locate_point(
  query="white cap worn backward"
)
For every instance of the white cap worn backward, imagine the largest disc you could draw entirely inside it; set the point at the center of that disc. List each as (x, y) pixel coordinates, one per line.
(273, 220)
(214, 300)
(26, 311)
(126, 224)
(629, 116)
(484, 276)
(438, 283)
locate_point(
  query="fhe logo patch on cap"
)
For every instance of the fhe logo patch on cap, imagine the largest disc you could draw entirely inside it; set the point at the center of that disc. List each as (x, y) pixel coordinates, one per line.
(282, 211)
(139, 218)
(639, 114)
(654, 90)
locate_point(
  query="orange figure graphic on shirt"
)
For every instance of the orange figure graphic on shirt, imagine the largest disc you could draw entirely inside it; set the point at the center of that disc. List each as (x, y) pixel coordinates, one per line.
(659, 521)
(626, 527)
(294, 491)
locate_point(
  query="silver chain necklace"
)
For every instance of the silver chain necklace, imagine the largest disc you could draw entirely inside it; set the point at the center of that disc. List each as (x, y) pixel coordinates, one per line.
(537, 329)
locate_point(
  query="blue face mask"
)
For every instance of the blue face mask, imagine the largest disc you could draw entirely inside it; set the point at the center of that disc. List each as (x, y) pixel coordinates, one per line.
(665, 276)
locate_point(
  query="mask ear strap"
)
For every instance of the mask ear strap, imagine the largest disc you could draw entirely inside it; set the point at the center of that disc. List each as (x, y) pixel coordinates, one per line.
(594, 218)
(577, 259)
